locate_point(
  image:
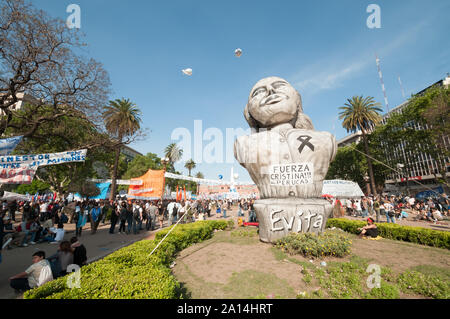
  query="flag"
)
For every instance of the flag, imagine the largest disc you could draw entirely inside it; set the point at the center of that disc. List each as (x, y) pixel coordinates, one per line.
(54, 196)
(184, 187)
(7, 145)
(177, 194)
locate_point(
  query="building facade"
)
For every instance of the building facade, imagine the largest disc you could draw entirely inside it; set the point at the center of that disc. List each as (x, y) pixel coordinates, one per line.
(421, 168)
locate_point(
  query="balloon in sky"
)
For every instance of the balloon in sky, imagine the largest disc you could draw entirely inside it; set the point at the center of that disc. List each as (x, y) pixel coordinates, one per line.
(236, 176)
(238, 52)
(187, 71)
(220, 176)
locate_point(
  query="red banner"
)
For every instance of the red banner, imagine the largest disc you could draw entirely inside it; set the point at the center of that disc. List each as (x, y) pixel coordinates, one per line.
(23, 175)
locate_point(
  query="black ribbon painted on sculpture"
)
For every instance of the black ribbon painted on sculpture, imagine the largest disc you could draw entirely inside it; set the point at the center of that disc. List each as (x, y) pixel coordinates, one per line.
(305, 142)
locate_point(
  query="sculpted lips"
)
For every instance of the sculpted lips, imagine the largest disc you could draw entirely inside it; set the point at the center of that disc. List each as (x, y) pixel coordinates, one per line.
(272, 99)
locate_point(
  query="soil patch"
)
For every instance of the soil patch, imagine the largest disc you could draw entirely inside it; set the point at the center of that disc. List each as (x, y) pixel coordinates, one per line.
(229, 266)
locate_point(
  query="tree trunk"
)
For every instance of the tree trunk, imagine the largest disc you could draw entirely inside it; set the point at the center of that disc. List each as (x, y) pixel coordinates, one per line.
(114, 175)
(369, 164)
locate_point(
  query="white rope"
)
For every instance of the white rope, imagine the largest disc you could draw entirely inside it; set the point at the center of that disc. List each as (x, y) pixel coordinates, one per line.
(168, 233)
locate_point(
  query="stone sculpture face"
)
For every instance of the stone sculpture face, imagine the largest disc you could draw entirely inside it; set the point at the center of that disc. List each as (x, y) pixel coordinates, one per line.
(287, 159)
(273, 101)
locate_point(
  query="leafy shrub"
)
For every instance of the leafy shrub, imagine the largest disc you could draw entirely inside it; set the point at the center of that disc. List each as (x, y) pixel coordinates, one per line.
(427, 285)
(130, 273)
(418, 235)
(309, 244)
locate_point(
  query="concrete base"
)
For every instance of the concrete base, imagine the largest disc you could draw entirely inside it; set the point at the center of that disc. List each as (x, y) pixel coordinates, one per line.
(279, 217)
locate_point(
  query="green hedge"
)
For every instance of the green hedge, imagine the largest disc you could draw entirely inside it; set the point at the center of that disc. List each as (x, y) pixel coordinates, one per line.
(129, 273)
(418, 235)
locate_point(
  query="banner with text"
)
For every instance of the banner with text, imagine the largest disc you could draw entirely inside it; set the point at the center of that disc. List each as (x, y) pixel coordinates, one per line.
(291, 174)
(34, 161)
(23, 175)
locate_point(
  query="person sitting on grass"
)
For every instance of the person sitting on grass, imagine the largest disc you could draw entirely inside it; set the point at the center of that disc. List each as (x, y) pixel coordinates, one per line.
(369, 230)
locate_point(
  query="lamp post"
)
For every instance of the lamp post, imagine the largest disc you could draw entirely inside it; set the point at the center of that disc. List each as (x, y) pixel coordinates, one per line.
(400, 167)
(164, 161)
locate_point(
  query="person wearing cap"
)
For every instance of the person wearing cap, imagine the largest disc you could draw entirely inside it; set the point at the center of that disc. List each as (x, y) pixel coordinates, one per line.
(369, 230)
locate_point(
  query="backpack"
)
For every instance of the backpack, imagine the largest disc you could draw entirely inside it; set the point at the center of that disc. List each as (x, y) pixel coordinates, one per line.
(136, 214)
(175, 210)
(45, 275)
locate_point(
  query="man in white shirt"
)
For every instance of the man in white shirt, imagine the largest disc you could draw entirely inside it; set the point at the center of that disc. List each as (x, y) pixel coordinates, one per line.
(170, 207)
(30, 277)
(56, 235)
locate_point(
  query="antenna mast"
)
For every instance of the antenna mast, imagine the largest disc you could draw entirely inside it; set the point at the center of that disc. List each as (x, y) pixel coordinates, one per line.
(401, 86)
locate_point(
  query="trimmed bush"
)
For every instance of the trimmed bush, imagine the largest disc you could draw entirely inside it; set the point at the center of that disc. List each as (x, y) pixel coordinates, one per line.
(309, 244)
(129, 273)
(418, 235)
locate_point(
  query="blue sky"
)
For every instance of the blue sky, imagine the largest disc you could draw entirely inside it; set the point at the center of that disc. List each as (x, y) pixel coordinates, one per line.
(323, 48)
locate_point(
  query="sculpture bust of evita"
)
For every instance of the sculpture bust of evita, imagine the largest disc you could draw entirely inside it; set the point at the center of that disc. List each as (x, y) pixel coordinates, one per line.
(287, 159)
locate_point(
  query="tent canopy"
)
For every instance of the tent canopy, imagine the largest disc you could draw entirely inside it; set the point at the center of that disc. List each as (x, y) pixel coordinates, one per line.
(341, 188)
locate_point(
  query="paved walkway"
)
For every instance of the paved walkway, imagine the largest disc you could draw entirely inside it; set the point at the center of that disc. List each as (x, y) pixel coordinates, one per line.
(98, 246)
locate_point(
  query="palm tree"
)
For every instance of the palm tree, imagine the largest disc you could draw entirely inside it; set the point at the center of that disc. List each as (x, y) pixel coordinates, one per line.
(122, 118)
(199, 175)
(173, 153)
(190, 165)
(362, 114)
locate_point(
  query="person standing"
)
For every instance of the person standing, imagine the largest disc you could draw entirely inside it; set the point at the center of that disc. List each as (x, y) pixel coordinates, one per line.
(160, 215)
(170, 208)
(115, 213)
(82, 213)
(12, 210)
(389, 208)
(376, 207)
(137, 218)
(129, 218)
(123, 217)
(95, 217)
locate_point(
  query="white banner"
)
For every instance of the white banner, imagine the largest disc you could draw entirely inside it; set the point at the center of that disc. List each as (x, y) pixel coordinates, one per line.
(341, 188)
(32, 161)
(291, 174)
(22, 175)
(202, 180)
(119, 181)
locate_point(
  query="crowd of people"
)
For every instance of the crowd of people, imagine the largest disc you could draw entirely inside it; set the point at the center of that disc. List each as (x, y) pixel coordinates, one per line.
(30, 223)
(394, 208)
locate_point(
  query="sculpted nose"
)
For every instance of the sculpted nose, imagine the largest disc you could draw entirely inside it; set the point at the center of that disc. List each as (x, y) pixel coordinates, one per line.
(271, 90)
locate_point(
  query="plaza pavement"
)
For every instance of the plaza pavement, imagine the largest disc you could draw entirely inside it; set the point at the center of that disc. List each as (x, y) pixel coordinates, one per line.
(98, 245)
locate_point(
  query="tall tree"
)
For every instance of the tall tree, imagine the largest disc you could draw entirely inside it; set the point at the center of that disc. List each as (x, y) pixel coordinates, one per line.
(190, 165)
(38, 62)
(362, 114)
(122, 119)
(173, 153)
(199, 175)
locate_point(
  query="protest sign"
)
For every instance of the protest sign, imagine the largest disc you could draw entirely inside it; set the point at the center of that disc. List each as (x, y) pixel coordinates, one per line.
(32, 161)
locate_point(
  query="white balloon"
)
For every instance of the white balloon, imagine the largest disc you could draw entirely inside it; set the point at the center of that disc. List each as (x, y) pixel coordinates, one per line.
(187, 71)
(238, 52)
(236, 176)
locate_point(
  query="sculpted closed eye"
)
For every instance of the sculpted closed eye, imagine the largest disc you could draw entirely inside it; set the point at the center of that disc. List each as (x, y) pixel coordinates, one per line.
(258, 91)
(278, 84)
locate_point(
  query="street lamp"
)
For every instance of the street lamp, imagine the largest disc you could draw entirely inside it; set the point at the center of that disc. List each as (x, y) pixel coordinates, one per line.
(400, 167)
(164, 161)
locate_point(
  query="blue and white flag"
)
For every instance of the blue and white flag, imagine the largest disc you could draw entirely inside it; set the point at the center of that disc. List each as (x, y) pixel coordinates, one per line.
(7, 145)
